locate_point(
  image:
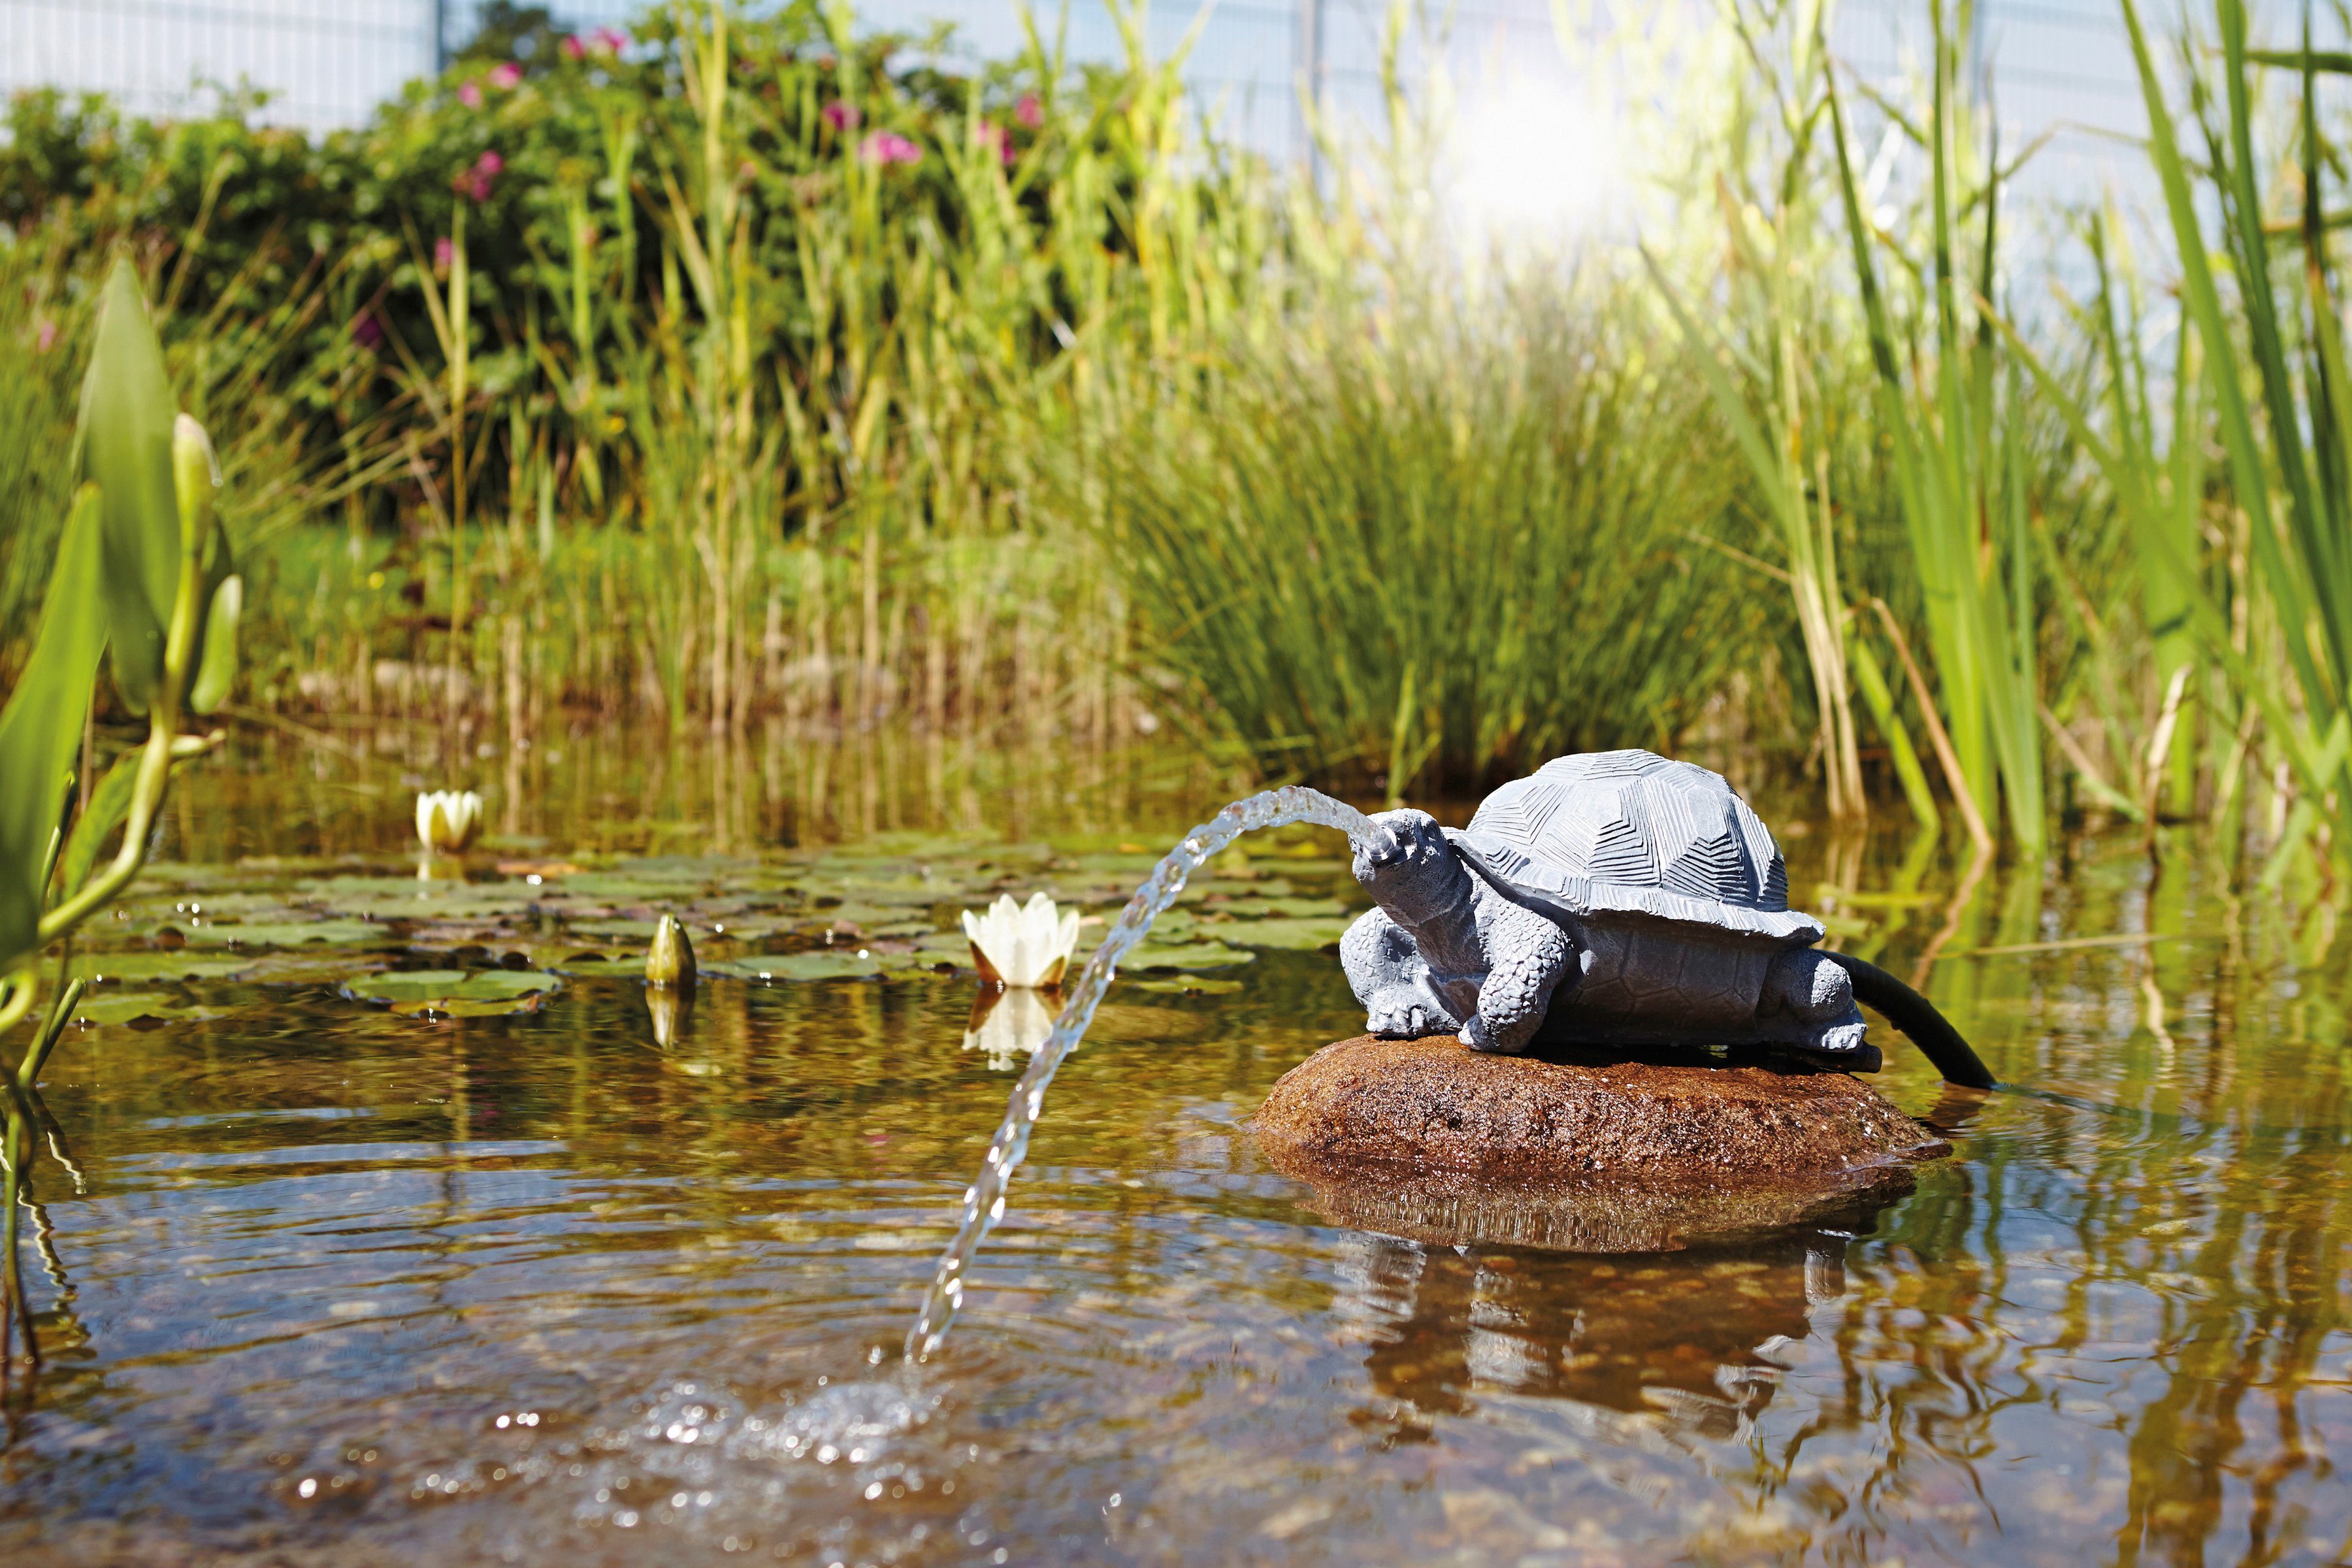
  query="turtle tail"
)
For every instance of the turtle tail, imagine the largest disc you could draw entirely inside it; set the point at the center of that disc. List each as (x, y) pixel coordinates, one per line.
(1916, 1016)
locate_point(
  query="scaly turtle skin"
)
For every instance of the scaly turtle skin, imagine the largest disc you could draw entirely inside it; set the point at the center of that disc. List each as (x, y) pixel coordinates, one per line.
(1625, 898)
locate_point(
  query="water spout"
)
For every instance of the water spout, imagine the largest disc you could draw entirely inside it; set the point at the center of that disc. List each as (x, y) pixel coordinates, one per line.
(984, 1201)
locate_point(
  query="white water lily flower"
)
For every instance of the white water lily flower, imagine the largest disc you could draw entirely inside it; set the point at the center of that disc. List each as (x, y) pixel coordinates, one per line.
(1009, 1025)
(447, 819)
(1022, 944)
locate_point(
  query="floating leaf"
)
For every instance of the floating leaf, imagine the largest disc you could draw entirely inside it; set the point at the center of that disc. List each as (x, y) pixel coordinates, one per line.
(102, 966)
(1297, 935)
(479, 994)
(282, 934)
(111, 1006)
(1191, 985)
(804, 966)
(1191, 955)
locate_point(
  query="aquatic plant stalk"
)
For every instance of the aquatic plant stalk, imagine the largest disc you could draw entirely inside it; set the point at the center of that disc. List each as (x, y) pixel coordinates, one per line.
(984, 1201)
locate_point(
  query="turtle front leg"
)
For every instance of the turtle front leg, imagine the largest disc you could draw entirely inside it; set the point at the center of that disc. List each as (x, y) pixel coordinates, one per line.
(1389, 977)
(1527, 956)
(1817, 992)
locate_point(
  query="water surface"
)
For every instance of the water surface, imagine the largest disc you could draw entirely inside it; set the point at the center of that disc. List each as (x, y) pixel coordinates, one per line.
(352, 1285)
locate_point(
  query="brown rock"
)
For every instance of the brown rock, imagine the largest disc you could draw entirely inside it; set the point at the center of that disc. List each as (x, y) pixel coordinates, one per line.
(1428, 1139)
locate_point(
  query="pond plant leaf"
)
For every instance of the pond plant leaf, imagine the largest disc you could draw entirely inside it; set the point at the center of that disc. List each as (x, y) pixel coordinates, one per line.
(108, 1006)
(809, 966)
(40, 728)
(110, 803)
(1188, 955)
(1191, 985)
(1309, 935)
(446, 990)
(126, 417)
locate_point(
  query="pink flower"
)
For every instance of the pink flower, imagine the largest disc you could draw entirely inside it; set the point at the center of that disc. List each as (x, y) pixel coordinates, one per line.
(889, 147)
(476, 180)
(842, 116)
(48, 337)
(573, 50)
(997, 138)
(506, 75)
(367, 333)
(470, 95)
(445, 255)
(611, 38)
(1029, 112)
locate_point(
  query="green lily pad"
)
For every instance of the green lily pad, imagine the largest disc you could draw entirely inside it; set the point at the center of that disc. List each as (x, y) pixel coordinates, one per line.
(180, 965)
(324, 967)
(602, 965)
(487, 992)
(285, 933)
(1295, 935)
(803, 966)
(1191, 955)
(106, 1006)
(1191, 985)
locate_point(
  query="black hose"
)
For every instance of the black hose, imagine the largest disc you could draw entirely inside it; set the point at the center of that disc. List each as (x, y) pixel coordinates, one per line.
(1916, 1016)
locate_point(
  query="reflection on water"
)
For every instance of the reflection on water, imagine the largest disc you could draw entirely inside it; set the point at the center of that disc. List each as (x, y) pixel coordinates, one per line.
(351, 1287)
(1696, 1338)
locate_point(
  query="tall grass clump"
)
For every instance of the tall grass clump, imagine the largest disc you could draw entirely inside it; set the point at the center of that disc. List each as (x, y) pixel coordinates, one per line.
(1429, 544)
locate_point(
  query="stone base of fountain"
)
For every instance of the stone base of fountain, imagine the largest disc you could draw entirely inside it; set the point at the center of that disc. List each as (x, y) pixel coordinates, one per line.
(1583, 1152)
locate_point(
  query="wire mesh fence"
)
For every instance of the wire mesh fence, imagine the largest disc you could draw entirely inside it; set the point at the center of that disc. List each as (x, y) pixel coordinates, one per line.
(2059, 69)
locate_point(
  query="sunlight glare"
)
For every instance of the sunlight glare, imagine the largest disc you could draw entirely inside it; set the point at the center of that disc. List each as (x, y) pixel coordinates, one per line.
(1537, 161)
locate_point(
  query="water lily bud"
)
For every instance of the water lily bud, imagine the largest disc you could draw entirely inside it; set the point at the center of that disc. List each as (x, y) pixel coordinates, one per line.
(195, 474)
(670, 960)
(448, 821)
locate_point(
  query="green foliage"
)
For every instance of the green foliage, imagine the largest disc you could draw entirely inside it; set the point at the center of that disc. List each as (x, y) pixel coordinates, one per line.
(1431, 548)
(125, 436)
(41, 727)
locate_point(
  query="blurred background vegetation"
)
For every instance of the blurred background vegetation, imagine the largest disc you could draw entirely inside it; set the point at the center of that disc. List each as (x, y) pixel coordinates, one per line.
(739, 371)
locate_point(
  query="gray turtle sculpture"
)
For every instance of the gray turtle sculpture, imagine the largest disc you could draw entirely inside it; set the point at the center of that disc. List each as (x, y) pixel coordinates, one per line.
(1625, 898)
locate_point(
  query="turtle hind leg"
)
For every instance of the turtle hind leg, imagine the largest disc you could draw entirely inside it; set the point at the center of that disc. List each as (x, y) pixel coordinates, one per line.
(1816, 991)
(1389, 977)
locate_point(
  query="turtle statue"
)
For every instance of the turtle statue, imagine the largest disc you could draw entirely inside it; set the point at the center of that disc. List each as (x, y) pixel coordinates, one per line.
(1614, 898)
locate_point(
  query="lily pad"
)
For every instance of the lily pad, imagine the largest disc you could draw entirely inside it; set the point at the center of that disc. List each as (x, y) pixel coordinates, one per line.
(182, 965)
(1191, 955)
(454, 990)
(287, 934)
(1191, 985)
(106, 1006)
(1297, 935)
(804, 966)
(602, 965)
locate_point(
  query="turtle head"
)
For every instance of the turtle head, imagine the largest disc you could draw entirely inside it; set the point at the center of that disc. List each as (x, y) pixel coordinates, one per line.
(1411, 870)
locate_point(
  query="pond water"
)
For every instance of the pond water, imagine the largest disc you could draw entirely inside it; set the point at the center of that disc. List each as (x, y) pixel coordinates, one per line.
(344, 1278)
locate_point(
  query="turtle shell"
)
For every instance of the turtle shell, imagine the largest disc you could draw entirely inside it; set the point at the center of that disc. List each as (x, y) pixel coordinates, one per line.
(1631, 834)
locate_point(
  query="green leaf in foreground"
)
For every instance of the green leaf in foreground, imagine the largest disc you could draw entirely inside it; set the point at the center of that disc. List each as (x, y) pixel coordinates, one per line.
(127, 414)
(40, 729)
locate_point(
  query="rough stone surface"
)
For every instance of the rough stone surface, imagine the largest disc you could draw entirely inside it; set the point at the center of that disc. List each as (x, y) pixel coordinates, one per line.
(1428, 1139)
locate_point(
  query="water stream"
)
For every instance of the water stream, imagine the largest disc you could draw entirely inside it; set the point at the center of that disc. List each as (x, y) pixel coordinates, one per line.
(984, 1201)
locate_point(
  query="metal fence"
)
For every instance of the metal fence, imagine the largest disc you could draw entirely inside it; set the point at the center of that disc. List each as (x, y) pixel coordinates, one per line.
(2059, 67)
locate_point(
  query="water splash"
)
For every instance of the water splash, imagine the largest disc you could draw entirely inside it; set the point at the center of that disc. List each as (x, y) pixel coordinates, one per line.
(984, 1201)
